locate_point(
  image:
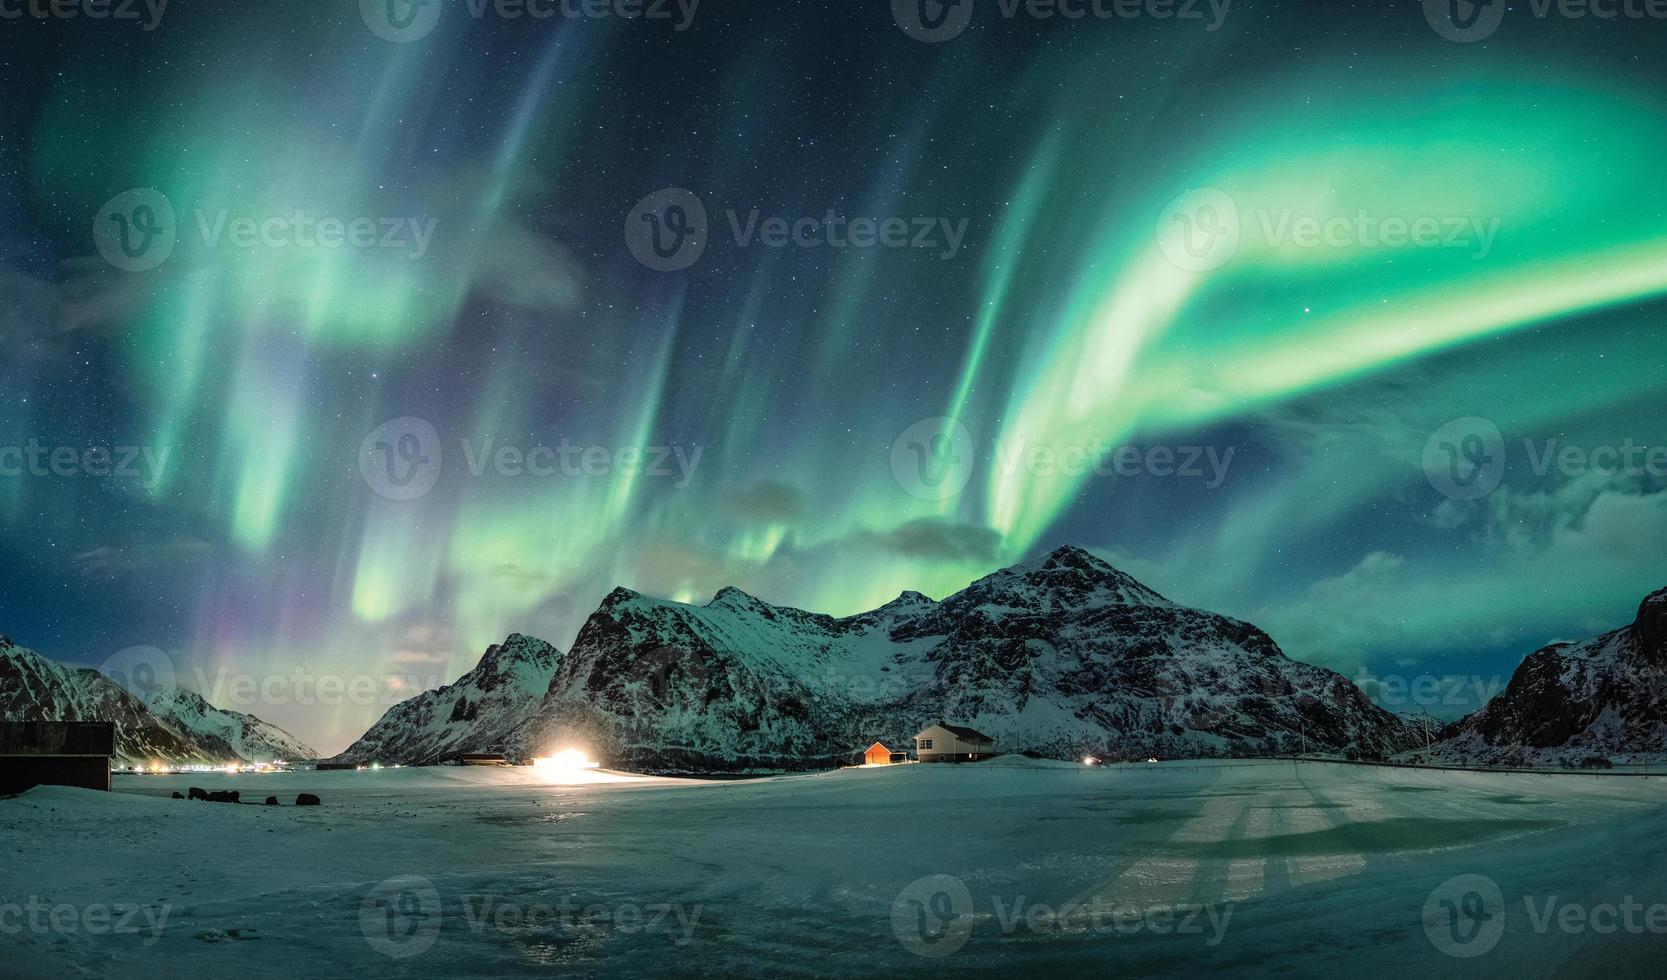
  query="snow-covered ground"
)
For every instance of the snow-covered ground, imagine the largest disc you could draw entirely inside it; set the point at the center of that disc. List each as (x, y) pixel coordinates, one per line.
(1002, 868)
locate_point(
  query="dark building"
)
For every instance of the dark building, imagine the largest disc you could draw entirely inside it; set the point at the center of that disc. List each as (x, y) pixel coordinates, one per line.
(482, 759)
(55, 753)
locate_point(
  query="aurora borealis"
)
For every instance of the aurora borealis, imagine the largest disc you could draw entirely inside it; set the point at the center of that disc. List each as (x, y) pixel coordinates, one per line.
(1422, 231)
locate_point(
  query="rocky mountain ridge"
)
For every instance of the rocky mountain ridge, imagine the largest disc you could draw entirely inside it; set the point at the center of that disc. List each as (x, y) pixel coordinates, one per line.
(1060, 656)
(1568, 702)
(176, 727)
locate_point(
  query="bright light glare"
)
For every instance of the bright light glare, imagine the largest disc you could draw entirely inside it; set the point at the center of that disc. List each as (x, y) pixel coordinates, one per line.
(565, 762)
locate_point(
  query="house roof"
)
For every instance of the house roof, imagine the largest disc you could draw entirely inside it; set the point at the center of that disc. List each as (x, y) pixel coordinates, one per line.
(58, 738)
(970, 734)
(876, 745)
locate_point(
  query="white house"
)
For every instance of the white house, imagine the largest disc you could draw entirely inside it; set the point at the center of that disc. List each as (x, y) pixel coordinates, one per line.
(952, 743)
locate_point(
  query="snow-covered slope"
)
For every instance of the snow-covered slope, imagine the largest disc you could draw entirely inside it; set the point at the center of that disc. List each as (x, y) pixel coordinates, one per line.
(242, 736)
(178, 727)
(1059, 656)
(1605, 696)
(33, 688)
(473, 714)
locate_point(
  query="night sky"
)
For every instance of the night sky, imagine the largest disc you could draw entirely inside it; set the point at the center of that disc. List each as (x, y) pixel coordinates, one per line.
(1054, 178)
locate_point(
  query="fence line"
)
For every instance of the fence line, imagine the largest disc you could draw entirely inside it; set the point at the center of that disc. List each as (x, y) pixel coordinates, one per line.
(1239, 763)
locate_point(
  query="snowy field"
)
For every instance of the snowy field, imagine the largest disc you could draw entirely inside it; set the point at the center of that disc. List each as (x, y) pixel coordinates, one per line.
(1253, 869)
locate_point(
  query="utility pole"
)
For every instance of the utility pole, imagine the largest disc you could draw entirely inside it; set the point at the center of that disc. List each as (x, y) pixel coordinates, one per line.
(1424, 720)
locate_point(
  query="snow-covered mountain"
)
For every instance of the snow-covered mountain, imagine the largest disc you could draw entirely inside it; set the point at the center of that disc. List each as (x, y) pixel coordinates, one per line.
(33, 688)
(1605, 696)
(181, 728)
(1059, 656)
(239, 735)
(473, 714)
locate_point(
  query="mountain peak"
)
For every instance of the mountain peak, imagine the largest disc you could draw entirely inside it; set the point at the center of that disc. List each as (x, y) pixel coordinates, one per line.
(1073, 570)
(907, 602)
(1651, 625)
(1065, 558)
(178, 696)
(516, 648)
(619, 596)
(11, 651)
(732, 598)
(1071, 556)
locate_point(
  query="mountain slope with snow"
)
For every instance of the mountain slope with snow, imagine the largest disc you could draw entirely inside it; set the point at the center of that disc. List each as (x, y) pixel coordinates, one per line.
(177, 727)
(33, 688)
(1060, 656)
(243, 736)
(473, 714)
(1606, 696)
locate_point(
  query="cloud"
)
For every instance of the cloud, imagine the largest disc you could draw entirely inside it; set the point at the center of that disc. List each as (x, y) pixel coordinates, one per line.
(939, 540)
(26, 310)
(766, 502)
(140, 554)
(1340, 618)
(518, 266)
(1542, 565)
(39, 314)
(423, 646)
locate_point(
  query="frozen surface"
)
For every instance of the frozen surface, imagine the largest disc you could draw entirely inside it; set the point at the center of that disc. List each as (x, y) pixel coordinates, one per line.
(1284, 869)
